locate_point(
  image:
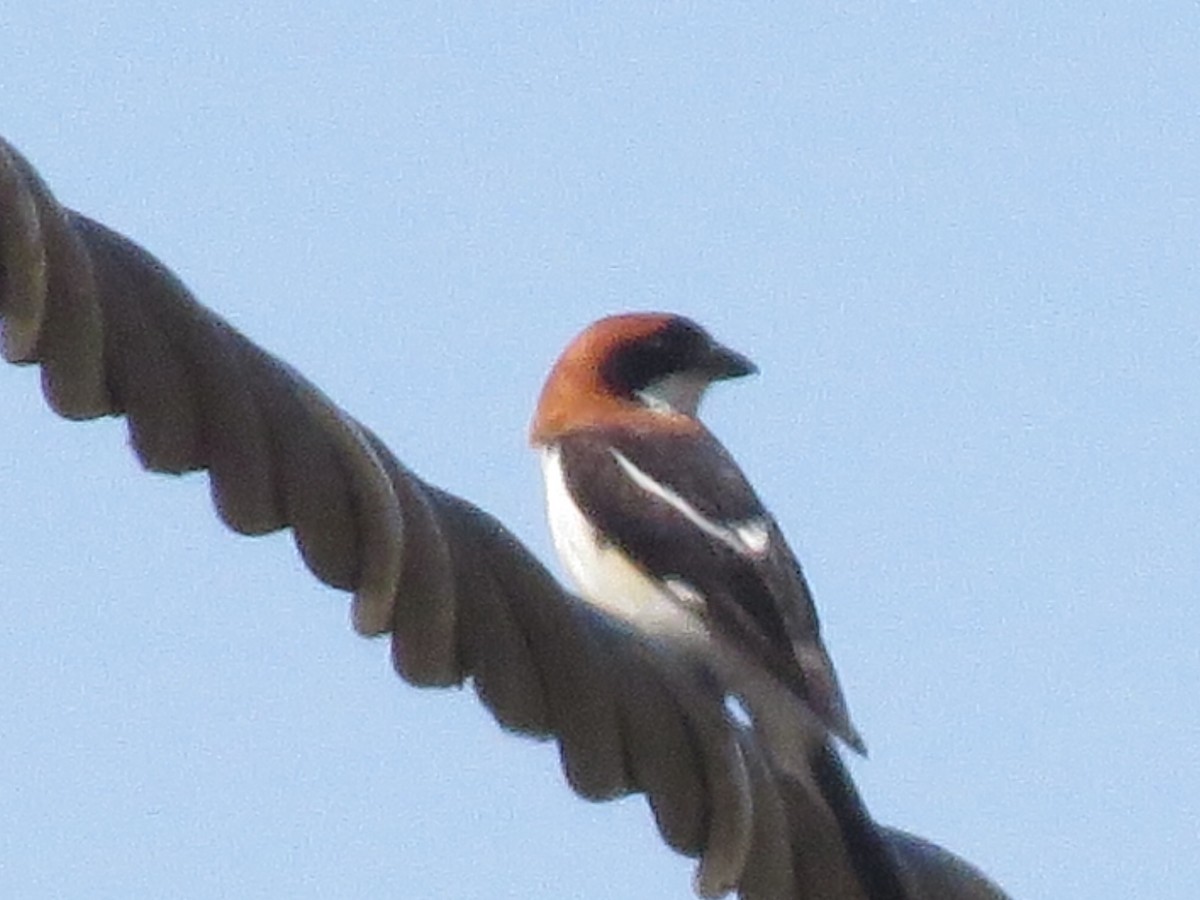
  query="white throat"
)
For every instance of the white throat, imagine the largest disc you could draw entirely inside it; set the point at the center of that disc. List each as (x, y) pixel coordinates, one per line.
(679, 392)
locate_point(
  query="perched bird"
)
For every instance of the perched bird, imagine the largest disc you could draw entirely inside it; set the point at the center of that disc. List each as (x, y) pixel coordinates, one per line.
(658, 526)
(654, 519)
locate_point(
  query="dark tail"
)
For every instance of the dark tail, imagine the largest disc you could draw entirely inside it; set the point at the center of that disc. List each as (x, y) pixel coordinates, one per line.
(874, 863)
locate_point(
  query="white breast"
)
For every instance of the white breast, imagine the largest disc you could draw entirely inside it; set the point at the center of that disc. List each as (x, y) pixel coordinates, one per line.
(603, 574)
(666, 613)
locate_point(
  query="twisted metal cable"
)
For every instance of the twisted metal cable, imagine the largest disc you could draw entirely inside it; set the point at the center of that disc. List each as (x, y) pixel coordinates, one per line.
(116, 333)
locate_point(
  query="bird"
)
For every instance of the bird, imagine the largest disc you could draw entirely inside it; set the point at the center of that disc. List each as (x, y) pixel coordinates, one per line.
(657, 525)
(115, 332)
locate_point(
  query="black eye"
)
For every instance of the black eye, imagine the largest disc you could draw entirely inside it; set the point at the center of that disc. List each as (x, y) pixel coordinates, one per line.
(677, 347)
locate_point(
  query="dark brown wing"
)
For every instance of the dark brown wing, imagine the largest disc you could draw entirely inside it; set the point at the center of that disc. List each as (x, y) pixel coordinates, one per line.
(116, 334)
(673, 502)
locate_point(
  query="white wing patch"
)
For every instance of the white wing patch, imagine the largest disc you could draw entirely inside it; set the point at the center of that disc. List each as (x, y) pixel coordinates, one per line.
(755, 535)
(687, 595)
(738, 713)
(751, 537)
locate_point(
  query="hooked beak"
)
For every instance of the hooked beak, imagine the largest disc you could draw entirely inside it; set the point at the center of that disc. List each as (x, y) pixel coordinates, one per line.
(725, 363)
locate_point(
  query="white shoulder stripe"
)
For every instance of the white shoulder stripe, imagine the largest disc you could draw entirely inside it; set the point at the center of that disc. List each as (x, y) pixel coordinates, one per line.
(751, 537)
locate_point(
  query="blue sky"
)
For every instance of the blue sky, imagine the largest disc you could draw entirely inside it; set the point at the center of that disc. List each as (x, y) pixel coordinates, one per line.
(959, 239)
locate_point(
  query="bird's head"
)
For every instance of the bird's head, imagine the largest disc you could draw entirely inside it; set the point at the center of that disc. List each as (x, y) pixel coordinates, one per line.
(633, 363)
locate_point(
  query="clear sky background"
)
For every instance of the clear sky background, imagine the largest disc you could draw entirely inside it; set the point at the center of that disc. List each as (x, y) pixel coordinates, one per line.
(961, 240)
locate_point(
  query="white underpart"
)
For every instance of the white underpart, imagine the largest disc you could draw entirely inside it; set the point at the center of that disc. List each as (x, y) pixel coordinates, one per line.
(751, 537)
(605, 576)
(668, 611)
(679, 392)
